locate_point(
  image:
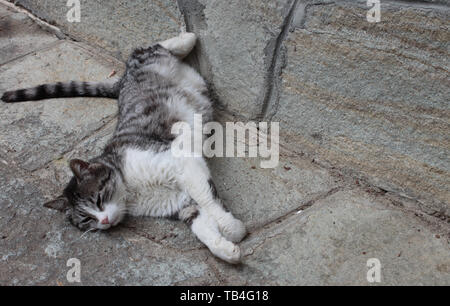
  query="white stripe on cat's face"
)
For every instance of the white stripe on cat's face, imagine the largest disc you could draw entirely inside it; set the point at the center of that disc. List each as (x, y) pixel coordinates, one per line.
(111, 215)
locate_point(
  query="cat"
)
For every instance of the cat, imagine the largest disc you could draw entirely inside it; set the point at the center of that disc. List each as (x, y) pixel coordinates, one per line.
(137, 173)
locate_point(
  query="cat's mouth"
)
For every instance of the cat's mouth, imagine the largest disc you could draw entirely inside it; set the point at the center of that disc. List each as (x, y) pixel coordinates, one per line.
(107, 224)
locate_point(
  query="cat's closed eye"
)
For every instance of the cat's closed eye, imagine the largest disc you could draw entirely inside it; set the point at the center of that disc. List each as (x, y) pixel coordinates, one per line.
(99, 203)
(86, 220)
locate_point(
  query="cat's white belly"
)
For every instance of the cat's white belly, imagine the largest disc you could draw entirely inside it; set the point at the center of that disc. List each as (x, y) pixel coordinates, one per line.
(152, 188)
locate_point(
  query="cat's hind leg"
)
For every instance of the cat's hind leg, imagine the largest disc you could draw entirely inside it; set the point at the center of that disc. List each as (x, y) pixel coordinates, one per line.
(231, 228)
(198, 183)
(206, 229)
(181, 45)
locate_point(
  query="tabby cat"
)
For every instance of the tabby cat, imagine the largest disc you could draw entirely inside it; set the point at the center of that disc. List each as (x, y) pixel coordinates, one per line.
(137, 172)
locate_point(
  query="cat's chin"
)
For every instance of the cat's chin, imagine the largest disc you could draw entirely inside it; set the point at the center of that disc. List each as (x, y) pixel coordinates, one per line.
(104, 227)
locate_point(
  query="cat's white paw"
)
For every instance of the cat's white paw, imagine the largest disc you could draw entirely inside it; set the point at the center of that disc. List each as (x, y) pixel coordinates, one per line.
(188, 40)
(232, 229)
(181, 45)
(227, 251)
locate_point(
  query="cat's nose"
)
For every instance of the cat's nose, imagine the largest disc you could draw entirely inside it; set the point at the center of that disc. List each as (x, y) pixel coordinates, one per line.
(105, 220)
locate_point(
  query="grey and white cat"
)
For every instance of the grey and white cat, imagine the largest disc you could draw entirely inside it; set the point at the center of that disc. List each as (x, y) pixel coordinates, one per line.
(137, 172)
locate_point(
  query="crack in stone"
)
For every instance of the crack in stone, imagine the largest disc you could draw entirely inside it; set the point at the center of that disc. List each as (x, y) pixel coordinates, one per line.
(292, 212)
(419, 208)
(222, 280)
(259, 245)
(44, 48)
(349, 177)
(42, 22)
(194, 19)
(302, 13)
(295, 18)
(272, 78)
(145, 235)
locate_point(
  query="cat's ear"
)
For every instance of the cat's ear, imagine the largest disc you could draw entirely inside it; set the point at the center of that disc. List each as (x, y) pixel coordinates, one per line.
(78, 167)
(60, 203)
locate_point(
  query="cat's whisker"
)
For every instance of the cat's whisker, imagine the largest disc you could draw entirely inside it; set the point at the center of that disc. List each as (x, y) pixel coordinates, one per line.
(82, 235)
(89, 230)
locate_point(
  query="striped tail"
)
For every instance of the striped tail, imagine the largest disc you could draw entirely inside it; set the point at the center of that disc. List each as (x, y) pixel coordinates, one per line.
(63, 90)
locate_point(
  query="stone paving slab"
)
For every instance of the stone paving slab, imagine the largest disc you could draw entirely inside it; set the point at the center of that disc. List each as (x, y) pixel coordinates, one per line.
(259, 196)
(19, 35)
(330, 243)
(114, 25)
(372, 99)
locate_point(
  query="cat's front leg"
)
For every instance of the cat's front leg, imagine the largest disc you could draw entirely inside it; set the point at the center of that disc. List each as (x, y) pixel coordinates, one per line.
(198, 183)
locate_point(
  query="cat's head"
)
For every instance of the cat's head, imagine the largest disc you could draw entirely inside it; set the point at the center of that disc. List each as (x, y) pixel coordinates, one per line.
(91, 199)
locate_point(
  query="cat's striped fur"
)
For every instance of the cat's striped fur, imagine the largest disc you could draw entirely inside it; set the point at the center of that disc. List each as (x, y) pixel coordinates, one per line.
(137, 172)
(63, 90)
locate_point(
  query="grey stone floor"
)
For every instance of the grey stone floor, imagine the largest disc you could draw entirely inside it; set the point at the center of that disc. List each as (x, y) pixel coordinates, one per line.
(310, 224)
